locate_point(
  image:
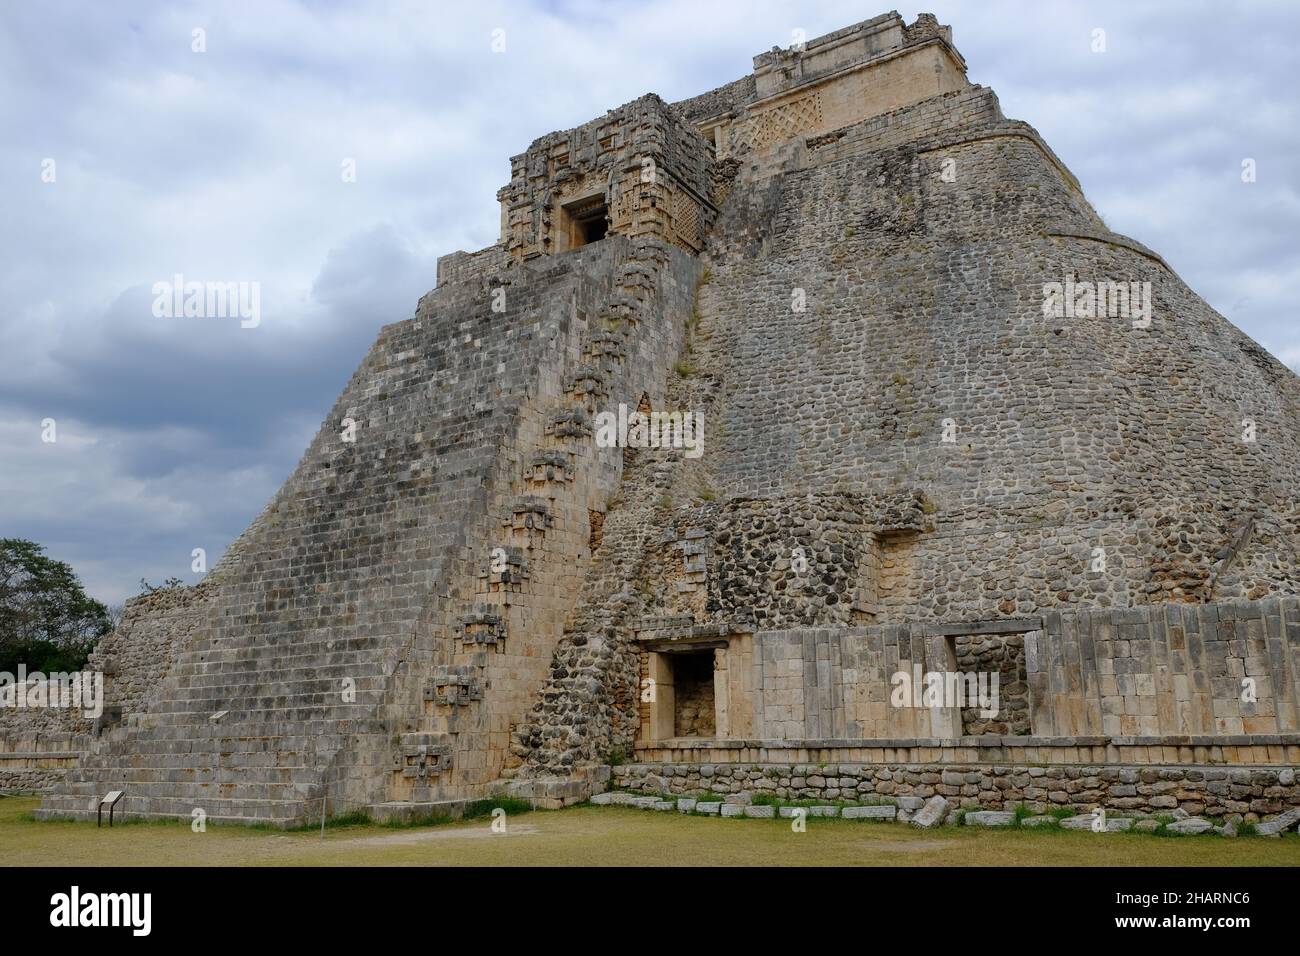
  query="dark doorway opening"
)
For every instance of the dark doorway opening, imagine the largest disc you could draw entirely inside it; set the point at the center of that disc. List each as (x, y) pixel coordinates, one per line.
(588, 222)
(693, 710)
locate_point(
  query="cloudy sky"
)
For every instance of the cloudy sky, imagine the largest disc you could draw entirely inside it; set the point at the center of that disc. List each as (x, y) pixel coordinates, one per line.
(227, 164)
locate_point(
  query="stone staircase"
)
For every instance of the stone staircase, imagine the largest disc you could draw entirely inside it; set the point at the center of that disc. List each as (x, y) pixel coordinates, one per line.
(551, 490)
(284, 719)
(352, 650)
(280, 691)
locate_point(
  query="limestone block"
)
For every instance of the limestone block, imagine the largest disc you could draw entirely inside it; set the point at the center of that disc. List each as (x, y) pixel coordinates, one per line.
(932, 814)
(1279, 823)
(869, 813)
(1084, 821)
(989, 818)
(1190, 826)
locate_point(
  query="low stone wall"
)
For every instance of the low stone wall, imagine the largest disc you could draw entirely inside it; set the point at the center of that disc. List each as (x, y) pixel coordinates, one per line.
(1216, 671)
(38, 745)
(459, 266)
(33, 763)
(139, 654)
(1253, 794)
(1240, 750)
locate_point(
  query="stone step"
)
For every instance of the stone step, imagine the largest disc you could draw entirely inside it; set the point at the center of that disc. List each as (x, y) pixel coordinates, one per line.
(187, 767)
(280, 811)
(199, 727)
(290, 720)
(196, 791)
(164, 737)
(207, 705)
(203, 773)
(251, 677)
(260, 714)
(287, 658)
(181, 819)
(161, 767)
(183, 753)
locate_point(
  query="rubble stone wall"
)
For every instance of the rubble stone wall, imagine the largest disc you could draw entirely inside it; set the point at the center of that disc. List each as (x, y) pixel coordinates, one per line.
(1254, 793)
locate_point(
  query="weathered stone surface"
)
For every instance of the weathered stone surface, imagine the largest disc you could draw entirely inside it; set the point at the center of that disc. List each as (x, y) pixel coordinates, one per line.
(932, 814)
(763, 812)
(794, 263)
(1281, 822)
(1086, 821)
(790, 227)
(1191, 825)
(989, 818)
(994, 786)
(868, 813)
(810, 811)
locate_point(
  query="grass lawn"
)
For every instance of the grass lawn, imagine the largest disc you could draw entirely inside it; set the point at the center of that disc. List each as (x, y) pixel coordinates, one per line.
(601, 836)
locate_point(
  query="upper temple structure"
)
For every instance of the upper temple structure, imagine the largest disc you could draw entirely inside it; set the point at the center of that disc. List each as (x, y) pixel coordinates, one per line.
(765, 407)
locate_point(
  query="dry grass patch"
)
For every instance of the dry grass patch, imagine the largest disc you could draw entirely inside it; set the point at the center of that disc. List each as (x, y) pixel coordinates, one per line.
(611, 836)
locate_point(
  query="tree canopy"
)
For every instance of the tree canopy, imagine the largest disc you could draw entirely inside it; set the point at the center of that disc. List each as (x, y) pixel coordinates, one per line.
(47, 620)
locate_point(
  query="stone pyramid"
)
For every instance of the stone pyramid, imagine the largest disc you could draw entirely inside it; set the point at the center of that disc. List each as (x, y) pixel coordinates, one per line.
(943, 419)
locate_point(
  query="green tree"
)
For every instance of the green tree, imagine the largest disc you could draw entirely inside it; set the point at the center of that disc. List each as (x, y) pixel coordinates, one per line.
(47, 621)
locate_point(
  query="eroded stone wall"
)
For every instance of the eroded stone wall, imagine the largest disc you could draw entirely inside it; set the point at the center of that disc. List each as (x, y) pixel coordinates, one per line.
(1004, 655)
(340, 626)
(1173, 670)
(1077, 446)
(1253, 793)
(827, 83)
(550, 491)
(903, 453)
(642, 169)
(39, 744)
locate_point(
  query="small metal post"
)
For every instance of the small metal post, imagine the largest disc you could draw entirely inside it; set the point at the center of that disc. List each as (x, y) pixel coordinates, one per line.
(111, 799)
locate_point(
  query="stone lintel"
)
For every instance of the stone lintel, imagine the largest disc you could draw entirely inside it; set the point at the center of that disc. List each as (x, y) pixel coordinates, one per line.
(1019, 625)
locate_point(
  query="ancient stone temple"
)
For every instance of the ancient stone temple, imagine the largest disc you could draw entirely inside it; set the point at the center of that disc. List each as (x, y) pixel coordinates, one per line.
(942, 421)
